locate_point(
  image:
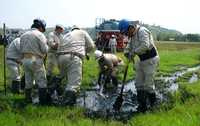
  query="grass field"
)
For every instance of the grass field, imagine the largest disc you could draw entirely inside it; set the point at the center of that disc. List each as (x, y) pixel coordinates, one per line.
(186, 110)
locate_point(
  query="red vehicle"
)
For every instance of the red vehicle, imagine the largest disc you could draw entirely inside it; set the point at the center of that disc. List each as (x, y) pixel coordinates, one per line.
(104, 30)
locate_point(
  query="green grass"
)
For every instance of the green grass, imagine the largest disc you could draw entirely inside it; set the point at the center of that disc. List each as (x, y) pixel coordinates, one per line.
(186, 110)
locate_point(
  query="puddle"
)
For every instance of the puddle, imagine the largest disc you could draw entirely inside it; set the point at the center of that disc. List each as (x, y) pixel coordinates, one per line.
(194, 78)
(101, 105)
(171, 82)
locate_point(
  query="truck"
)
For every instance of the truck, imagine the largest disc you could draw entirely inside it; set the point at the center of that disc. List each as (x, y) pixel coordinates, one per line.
(104, 30)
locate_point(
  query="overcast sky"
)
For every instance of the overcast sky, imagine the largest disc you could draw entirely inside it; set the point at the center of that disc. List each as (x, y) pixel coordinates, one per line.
(182, 15)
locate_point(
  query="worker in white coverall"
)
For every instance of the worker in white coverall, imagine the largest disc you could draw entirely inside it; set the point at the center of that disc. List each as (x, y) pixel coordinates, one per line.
(109, 65)
(13, 58)
(54, 39)
(113, 44)
(141, 43)
(34, 48)
(71, 53)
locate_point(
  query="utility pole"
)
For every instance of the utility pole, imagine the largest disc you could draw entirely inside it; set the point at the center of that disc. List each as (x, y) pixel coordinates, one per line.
(4, 56)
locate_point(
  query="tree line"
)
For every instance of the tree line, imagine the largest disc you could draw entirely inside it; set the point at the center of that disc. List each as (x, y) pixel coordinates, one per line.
(163, 34)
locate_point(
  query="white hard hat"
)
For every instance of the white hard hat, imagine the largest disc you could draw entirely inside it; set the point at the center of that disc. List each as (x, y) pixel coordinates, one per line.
(98, 54)
(75, 27)
(113, 36)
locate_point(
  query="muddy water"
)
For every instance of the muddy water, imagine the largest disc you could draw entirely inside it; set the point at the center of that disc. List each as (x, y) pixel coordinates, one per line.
(194, 78)
(100, 104)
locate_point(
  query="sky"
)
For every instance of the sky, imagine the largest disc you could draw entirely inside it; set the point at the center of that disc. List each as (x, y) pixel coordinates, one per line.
(181, 15)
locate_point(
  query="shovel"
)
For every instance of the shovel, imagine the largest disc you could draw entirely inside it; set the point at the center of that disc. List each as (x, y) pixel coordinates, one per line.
(119, 100)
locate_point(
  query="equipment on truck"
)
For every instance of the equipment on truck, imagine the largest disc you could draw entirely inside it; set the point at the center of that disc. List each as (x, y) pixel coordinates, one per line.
(104, 31)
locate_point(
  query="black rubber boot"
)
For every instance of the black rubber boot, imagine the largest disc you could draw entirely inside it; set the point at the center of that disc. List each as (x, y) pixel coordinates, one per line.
(142, 101)
(114, 81)
(152, 99)
(49, 79)
(43, 96)
(15, 87)
(70, 98)
(22, 84)
(28, 97)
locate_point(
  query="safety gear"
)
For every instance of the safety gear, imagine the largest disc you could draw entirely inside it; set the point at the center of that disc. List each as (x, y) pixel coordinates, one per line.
(33, 62)
(22, 85)
(70, 97)
(43, 96)
(15, 87)
(54, 84)
(113, 44)
(71, 67)
(123, 26)
(74, 27)
(34, 71)
(77, 42)
(152, 98)
(148, 54)
(40, 23)
(28, 97)
(54, 40)
(13, 51)
(98, 54)
(28, 41)
(71, 51)
(142, 96)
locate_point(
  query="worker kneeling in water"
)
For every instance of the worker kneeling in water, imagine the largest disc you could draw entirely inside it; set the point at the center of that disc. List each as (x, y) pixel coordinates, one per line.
(109, 65)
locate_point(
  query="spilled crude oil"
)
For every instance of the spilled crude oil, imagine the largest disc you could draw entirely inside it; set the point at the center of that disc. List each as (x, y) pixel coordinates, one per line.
(98, 104)
(101, 104)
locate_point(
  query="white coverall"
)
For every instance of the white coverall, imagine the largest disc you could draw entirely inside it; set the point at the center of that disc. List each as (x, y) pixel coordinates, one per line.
(34, 48)
(71, 53)
(142, 44)
(113, 44)
(53, 38)
(13, 58)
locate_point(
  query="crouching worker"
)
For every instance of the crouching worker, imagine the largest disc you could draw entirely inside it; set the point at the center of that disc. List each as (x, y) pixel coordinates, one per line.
(13, 58)
(71, 53)
(34, 47)
(108, 64)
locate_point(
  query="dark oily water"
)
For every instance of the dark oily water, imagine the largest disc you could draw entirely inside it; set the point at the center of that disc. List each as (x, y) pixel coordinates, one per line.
(100, 104)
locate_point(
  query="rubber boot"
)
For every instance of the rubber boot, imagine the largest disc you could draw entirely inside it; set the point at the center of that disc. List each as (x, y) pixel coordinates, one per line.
(15, 87)
(28, 97)
(142, 101)
(43, 96)
(70, 98)
(22, 84)
(49, 79)
(114, 83)
(152, 99)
